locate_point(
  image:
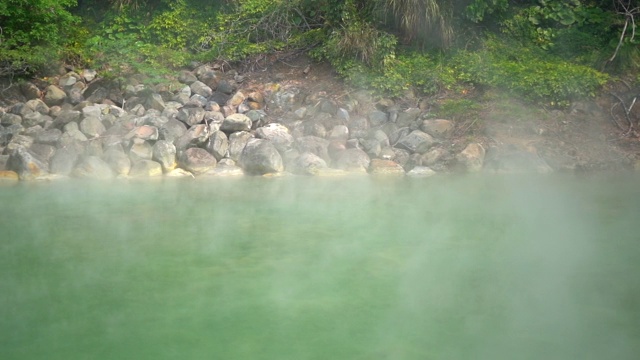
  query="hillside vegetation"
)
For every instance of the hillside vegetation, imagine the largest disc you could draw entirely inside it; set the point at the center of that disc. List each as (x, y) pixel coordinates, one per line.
(546, 51)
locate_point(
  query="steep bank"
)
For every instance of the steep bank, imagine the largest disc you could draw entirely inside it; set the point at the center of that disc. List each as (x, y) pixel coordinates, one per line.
(289, 116)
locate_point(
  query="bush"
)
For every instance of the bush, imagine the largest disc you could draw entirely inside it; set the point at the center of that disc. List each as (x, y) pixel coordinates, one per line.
(31, 34)
(534, 75)
(258, 26)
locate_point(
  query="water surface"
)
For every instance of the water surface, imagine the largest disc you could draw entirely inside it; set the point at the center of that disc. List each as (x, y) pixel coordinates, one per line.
(322, 268)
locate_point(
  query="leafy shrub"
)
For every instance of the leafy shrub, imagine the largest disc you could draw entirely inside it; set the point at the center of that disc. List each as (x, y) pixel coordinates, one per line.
(120, 47)
(258, 26)
(535, 75)
(31, 32)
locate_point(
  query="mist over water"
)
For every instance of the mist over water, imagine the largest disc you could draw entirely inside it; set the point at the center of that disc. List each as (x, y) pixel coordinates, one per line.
(322, 268)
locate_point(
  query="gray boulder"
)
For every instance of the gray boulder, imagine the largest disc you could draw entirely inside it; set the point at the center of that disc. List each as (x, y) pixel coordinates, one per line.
(408, 117)
(196, 136)
(9, 119)
(92, 167)
(472, 157)
(156, 102)
(197, 160)
(172, 130)
(438, 128)
(146, 168)
(277, 134)
(54, 96)
(314, 145)
(385, 167)
(164, 152)
(417, 142)
(354, 160)
(236, 122)
(92, 127)
(27, 164)
(309, 164)
(118, 160)
(49, 136)
(140, 150)
(144, 132)
(200, 88)
(64, 160)
(218, 145)
(421, 171)
(237, 142)
(191, 115)
(261, 157)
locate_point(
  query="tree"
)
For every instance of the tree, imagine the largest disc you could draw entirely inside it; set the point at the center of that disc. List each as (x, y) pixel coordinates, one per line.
(30, 32)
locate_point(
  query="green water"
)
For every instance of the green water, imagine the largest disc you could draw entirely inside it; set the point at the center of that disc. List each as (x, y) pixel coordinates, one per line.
(310, 268)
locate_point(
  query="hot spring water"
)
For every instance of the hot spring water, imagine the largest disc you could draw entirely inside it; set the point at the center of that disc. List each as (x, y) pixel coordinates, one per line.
(322, 268)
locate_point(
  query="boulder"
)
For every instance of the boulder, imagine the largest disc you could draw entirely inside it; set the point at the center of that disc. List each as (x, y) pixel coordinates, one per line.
(261, 157)
(358, 127)
(187, 77)
(237, 99)
(172, 130)
(64, 160)
(9, 119)
(218, 145)
(196, 136)
(353, 160)
(237, 142)
(164, 152)
(277, 134)
(155, 102)
(49, 136)
(140, 150)
(38, 106)
(421, 171)
(385, 167)
(417, 142)
(408, 117)
(197, 160)
(191, 115)
(8, 176)
(144, 132)
(27, 164)
(438, 128)
(314, 145)
(200, 88)
(92, 127)
(377, 118)
(118, 160)
(236, 122)
(54, 96)
(472, 157)
(339, 133)
(308, 164)
(92, 167)
(146, 168)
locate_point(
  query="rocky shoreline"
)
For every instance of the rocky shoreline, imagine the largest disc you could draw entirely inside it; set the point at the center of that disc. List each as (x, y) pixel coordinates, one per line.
(214, 123)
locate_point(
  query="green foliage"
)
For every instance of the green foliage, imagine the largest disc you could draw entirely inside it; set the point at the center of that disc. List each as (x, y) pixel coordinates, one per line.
(258, 26)
(479, 9)
(422, 22)
(31, 32)
(534, 75)
(179, 28)
(459, 108)
(121, 47)
(568, 28)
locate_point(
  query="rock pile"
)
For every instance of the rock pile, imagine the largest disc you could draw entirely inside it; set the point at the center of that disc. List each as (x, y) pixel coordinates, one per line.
(209, 125)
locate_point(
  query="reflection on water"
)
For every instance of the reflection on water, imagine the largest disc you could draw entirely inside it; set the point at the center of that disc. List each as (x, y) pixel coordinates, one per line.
(308, 268)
